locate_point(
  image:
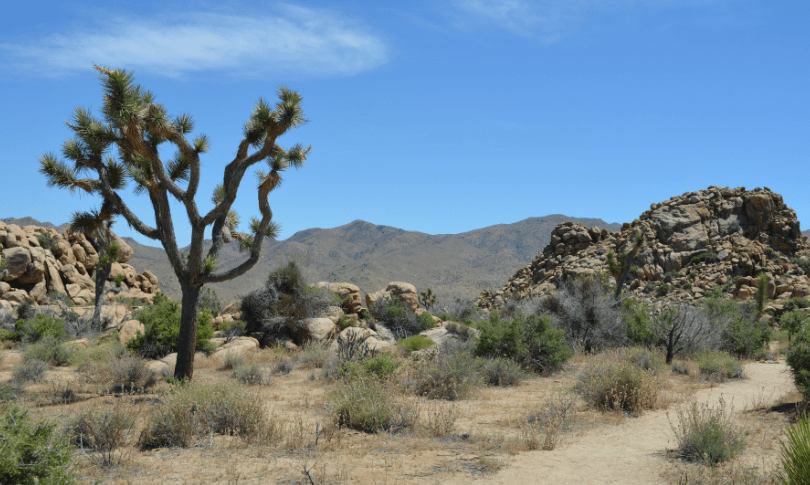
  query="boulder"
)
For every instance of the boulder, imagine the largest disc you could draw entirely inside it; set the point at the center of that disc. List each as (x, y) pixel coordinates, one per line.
(238, 346)
(129, 330)
(16, 296)
(39, 292)
(54, 278)
(125, 252)
(17, 260)
(313, 329)
(404, 292)
(349, 295)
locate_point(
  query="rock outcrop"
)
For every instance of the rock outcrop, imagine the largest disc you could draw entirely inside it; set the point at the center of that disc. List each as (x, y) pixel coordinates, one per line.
(41, 261)
(397, 290)
(694, 243)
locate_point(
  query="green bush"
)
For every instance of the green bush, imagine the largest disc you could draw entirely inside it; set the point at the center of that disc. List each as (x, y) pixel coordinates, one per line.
(381, 365)
(719, 366)
(399, 319)
(39, 327)
(796, 453)
(707, 433)
(639, 322)
(742, 334)
(798, 358)
(162, 323)
(529, 340)
(210, 302)
(346, 322)
(793, 322)
(30, 452)
(7, 392)
(50, 350)
(414, 343)
(46, 241)
(502, 372)
(232, 329)
(314, 354)
(366, 403)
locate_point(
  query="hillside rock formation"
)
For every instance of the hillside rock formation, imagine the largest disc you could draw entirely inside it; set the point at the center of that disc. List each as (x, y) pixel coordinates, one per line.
(40, 261)
(694, 242)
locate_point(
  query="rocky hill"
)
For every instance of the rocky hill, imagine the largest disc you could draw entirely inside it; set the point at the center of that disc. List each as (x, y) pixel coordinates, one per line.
(694, 243)
(370, 256)
(40, 261)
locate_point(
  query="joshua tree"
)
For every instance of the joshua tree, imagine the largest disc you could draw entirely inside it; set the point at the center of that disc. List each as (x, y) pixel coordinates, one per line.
(136, 125)
(619, 270)
(427, 298)
(96, 226)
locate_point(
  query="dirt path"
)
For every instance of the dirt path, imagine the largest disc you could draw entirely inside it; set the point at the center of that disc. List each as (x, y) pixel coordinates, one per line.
(633, 453)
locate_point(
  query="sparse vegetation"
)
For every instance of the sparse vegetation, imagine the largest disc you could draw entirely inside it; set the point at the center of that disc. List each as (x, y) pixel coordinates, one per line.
(796, 453)
(414, 343)
(399, 319)
(364, 402)
(613, 382)
(720, 366)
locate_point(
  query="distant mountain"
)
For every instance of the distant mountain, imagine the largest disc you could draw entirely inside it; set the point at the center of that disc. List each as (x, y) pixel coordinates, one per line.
(806, 233)
(30, 221)
(371, 256)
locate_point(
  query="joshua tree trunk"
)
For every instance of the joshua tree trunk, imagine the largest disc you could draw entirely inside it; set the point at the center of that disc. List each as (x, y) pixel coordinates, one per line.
(188, 332)
(102, 273)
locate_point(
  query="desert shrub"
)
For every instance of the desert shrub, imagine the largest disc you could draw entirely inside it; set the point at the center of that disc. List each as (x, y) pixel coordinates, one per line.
(719, 366)
(345, 322)
(454, 373)
(381, 365)
(680, 368)
(707, 433)
(414, 343)
(30, 452)
(284, 367)
(232, 329)
(232, 360)
(285, 294)
(366, 403)
(162, 324)
(438, 418)
(708, 257)
(646, 359)
(683, 328)
(7, 392)
(793, 322)
(796, 453)
(85, 358)
(195, 411)
(586, 310)
(209, 301)
(614, 383)
(398, 318)
(530, 340)
(798, 358)
(314, 354)
(250, 374)
(50, 350)
(126, 373)
(103, 431)
(46, 241)
(639, 322)
(39, 327)
(29, 371)
(463, 332)
(458, 311)
(802, 262)
(502, 372)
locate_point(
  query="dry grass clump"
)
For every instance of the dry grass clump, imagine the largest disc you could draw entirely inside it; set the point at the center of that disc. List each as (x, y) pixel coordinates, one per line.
(454, 373)
(251, 374)
(232, 360)
(314, 355)
(104, 433)
(438, 418)
(29, 371)
(722, 474)
(196, 411)
(127, 373)
(542, 429)
(364, 402)
(611, 381)
(707, 434)
(719, 366)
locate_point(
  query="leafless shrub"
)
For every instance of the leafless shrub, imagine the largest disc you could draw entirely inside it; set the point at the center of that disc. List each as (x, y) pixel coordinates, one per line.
(104, 432)
(438, 418)
(684, 328)
(542, 428)
(588, 313)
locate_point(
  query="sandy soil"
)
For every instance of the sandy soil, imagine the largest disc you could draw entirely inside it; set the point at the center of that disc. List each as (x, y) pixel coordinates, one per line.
(635, 451)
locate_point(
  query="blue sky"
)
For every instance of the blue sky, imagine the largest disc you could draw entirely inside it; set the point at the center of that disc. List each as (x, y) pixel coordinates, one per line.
(440, 117)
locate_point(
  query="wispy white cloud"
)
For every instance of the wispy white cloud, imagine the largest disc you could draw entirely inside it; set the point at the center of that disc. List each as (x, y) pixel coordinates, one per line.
(545, 20)
(289, 40)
